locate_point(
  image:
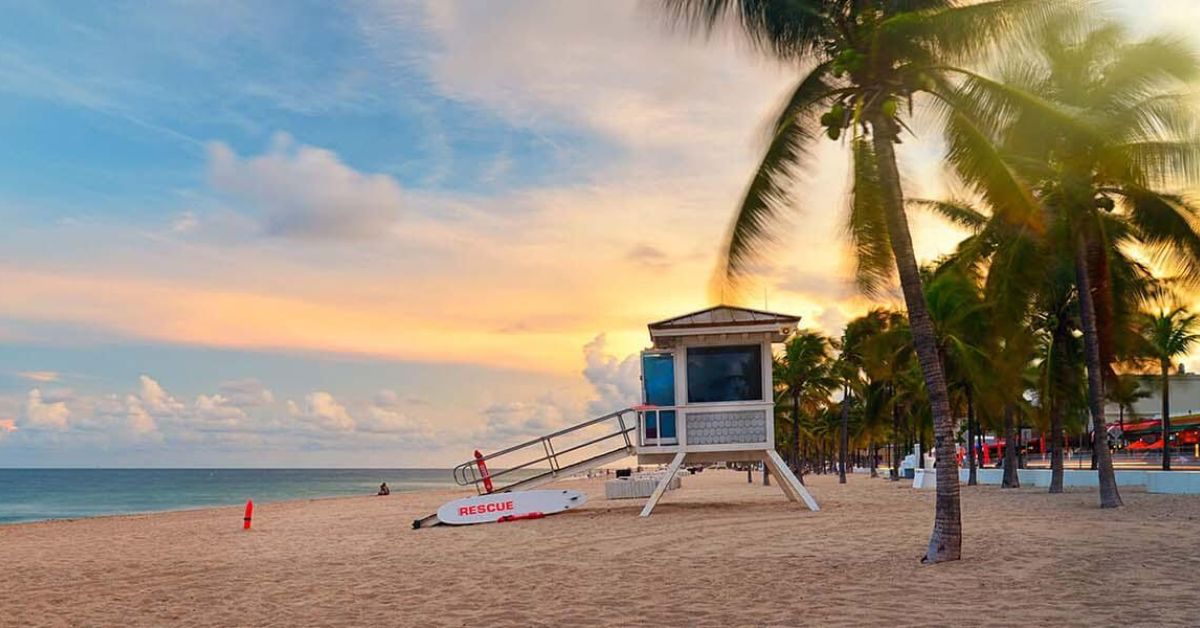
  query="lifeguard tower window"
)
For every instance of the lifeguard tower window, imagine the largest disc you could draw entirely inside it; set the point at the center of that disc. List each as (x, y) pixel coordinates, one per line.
(732, 373)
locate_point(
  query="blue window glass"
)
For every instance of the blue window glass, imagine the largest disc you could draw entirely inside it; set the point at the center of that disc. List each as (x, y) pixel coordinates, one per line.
(658, 378)
(666, 419)
(724, 374)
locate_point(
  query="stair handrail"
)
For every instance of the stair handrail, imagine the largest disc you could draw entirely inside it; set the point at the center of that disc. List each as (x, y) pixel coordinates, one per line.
(466, 474)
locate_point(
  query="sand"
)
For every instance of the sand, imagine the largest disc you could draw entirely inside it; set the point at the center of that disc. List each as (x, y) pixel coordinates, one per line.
(718, 552)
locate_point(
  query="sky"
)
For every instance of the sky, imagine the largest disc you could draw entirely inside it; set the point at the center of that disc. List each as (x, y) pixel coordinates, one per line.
(377, 233)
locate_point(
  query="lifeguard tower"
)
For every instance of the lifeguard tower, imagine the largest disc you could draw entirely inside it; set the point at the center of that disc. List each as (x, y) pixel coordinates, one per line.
(707, 396)
(708, 393)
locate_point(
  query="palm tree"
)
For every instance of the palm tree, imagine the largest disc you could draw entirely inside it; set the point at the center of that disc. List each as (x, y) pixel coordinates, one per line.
(1125, 391)
(1168, 335)
(961, 323)
(876, 419)
(1102, 129)
(1030, 277)
(803, 373)
(864, 58)
(1060, 377)
(859, 367)
(884, 351)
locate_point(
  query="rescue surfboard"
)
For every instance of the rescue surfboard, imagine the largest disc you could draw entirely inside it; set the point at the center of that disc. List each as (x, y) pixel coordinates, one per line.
(509, 506)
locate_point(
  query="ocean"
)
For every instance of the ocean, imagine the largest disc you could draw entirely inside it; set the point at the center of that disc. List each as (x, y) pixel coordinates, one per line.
(40, 494)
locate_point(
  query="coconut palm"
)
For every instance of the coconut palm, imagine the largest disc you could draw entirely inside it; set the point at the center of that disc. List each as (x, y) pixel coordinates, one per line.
(803, 374)
(1030, 277)
(886, 356)
(1168, 335)
(860, 366)
(875, 419)
(1125, 391)
(863, 58)
(1103, 131)
(961, 324)
(1060, 374)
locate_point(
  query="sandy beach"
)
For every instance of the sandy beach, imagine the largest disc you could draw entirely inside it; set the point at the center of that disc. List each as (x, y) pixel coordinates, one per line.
(718, 552)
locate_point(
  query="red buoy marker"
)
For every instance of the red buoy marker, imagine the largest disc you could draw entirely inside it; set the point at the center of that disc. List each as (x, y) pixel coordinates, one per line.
(249, 514)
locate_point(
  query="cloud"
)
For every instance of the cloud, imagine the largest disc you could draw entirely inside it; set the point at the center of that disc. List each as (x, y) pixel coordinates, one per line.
(138, 418)
(648, 256)
(43, 414)
(184, 222)
(244, 416)
(245, 393)
(386, 399)
(609, 66)
(218, 410)
(42, 377)
(507, 422)
(321, 410)
(150, 404)
(614, 380)
(306, 192)
(152, 395)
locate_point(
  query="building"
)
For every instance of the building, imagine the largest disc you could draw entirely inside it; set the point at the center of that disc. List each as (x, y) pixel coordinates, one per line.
(1185, 398)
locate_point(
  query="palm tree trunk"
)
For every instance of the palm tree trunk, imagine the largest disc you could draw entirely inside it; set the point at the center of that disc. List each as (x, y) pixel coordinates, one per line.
(1056, 452)
(1057, 362)
(874, 462)
(845, 436)
(800, 452)
(1110, 497)
(1011, 479)
(921, 446)
(945, 543)
(895, 436)
(972, 480)
(1166, 415)
(796, 429)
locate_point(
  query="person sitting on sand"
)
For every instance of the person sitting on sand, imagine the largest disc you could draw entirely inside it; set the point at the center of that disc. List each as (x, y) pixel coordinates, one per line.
(384, 490)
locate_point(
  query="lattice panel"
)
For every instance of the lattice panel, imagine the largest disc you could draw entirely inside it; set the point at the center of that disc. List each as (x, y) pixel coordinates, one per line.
(720, 428)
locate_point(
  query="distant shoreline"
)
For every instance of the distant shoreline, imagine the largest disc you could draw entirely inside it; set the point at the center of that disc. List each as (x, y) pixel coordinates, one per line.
(31, 495)
(197, 509)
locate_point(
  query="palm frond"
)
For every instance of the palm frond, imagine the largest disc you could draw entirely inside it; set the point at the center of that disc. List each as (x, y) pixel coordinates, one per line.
(1152, 118)
(957, 212)
(789, 30)
(766, 197)
(866, 224)
(965, 31)
(1168, 225)
(1144, 66)
(1164, 163)
(981, 166)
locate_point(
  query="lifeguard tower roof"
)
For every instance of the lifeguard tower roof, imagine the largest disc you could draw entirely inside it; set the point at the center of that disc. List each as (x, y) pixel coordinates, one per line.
(723, 319)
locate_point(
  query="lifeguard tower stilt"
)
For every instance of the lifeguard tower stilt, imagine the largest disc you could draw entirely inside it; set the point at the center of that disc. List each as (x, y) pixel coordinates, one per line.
(707, 396)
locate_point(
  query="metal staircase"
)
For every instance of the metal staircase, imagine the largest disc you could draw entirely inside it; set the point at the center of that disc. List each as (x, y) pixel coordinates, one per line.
(547, 461)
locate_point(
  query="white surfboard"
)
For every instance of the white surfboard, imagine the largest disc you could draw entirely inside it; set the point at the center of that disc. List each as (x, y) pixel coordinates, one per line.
(509, 506)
